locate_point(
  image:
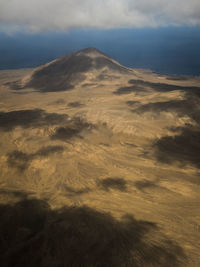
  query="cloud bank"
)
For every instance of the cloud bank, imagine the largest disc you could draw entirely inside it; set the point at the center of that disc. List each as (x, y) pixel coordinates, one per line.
(62, 15)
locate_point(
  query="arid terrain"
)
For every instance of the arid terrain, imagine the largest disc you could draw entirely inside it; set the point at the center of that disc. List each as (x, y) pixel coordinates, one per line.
(99, 165)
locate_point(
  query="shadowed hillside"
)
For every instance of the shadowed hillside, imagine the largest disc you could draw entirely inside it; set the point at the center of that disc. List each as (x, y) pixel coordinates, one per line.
(64, 73)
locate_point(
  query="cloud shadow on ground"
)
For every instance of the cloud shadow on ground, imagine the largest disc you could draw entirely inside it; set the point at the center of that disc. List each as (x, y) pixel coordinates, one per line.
(29, 118)
(89, 84)
(170, 105)
(177, 78)
(18, 159)
(21, 160)
(189, 106)
(72, 129)
(129, 89)
(32, 234)
(112, 183)
(48, 150)
(59, 101)
(132, 103)
(75, 104)
(163, 87)
(142, 185)
(14, 193)
(76, 192)
(183, 147)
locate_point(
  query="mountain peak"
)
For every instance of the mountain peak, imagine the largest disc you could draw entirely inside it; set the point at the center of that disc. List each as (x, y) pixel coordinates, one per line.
(65, 72)
(90, 50)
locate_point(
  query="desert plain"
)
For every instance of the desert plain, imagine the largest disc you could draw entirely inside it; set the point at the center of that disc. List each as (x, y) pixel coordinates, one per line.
(99, 165)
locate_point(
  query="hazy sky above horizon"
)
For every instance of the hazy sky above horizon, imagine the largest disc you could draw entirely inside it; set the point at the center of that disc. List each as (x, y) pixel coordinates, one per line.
(62, 15)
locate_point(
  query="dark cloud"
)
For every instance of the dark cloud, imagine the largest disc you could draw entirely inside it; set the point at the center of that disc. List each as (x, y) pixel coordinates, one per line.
(34, 16)
(112, 183)
(29, 118)
(32, 234)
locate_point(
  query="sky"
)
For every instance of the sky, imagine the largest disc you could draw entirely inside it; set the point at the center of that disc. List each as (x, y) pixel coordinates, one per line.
(62, 15)
(35, 31)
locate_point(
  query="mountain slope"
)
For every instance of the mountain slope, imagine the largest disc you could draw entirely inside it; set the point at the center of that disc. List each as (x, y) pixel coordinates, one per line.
(64, 73)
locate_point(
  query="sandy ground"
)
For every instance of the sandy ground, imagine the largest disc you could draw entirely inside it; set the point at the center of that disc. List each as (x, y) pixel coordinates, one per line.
(111, 151)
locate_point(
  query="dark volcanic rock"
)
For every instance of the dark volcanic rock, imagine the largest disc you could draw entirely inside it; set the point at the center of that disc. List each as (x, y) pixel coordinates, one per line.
(64, 73)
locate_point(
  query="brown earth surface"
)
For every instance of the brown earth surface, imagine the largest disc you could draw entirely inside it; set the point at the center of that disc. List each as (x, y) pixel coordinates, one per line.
(99, 165)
